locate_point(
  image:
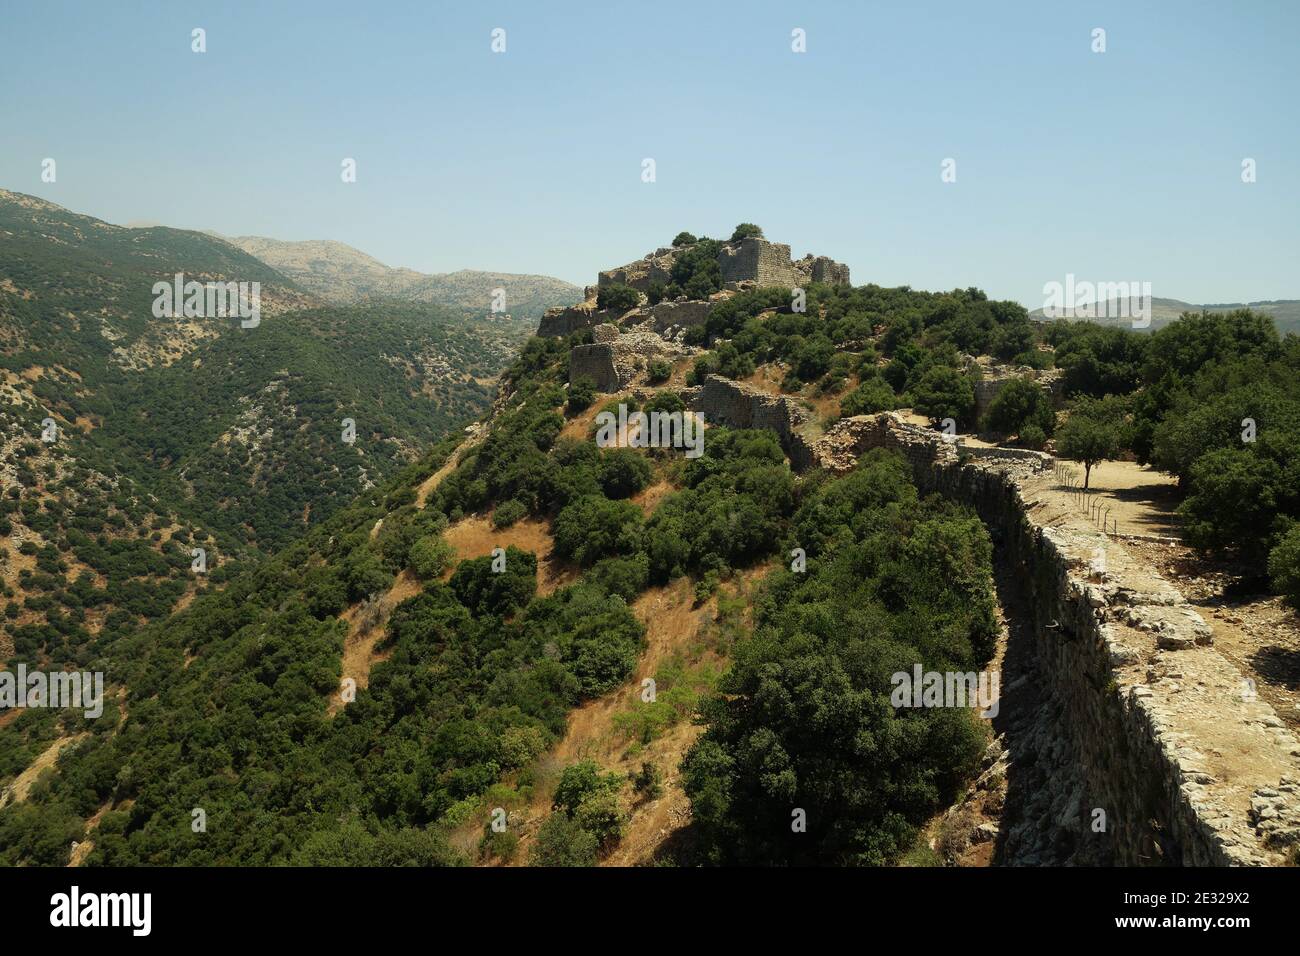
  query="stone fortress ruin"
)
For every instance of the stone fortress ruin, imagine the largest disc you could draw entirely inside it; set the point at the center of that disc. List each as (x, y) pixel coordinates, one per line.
(627, 340)
(1119, 701)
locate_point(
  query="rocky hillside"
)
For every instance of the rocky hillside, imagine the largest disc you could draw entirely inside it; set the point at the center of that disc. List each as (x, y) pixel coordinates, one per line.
(480, 601)
(343, 275)
(132, 440)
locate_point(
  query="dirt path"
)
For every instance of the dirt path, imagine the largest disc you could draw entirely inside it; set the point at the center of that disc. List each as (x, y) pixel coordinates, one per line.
(1134, 498)
(366, 622)
(22, 784)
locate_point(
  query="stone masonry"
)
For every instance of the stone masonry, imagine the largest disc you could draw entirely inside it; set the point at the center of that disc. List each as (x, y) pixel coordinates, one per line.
(1151, 724)
(617, 360)
(995, 378)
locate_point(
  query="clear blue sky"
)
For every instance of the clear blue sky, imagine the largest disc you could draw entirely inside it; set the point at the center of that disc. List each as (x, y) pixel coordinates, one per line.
(1122, 165)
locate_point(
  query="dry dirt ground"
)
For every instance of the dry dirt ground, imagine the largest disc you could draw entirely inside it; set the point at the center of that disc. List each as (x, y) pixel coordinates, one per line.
(475, 537)
(366, 621)
(1257, 632)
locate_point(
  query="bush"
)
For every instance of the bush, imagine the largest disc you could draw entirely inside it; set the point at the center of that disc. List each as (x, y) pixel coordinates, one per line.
(684, 239)
(659, 371)
(430, 556)
(485, 591)
(591, 799)
(648, 781)
(1031, 436)
(1233, 505)
(507, 513)
(562, 842)
(582, 392)
(873, 395)
(1021, 403)
(593, 527)
(1284, 566)
(944, 392)
(617, 297)
(623, 472)
(745, 230)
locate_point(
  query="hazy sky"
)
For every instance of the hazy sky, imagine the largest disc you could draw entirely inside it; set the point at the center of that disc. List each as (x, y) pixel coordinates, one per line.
(1123, 165)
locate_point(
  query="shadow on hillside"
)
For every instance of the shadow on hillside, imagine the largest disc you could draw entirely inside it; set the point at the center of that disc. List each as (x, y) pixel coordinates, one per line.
(1278, 665)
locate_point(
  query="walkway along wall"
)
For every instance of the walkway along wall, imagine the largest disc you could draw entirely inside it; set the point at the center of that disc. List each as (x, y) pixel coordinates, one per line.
(1164, 734)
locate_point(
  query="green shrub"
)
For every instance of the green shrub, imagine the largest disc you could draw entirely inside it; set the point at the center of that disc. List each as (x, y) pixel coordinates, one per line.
(1031, 436)
(430, 556)
(648, 781)
(561, 841)
(582, 392)
(871, 396)
(507, 513)
(1019, 404)
(1284, 566)
(617, 297)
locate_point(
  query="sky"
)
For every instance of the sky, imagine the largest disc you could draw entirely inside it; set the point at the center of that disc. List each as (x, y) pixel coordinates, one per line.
(1122, 165)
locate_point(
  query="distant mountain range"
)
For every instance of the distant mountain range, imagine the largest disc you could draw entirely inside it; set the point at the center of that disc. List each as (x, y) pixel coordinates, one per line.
(347, 276)
(1285, 312)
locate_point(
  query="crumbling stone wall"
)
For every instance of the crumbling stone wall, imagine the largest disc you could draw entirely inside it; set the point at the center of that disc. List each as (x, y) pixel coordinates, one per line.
(723, 401)
(565, 320)
(994, 380)
(822, 269)
(595, 362)
(679, 315)
(1149, 713)
(654, 267)
(617, 359)
(757, 260)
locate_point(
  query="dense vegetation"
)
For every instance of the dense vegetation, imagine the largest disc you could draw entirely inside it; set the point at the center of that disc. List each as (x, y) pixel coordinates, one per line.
(803, 720)
(179, 434)
(1213, 399)
(901, 347)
